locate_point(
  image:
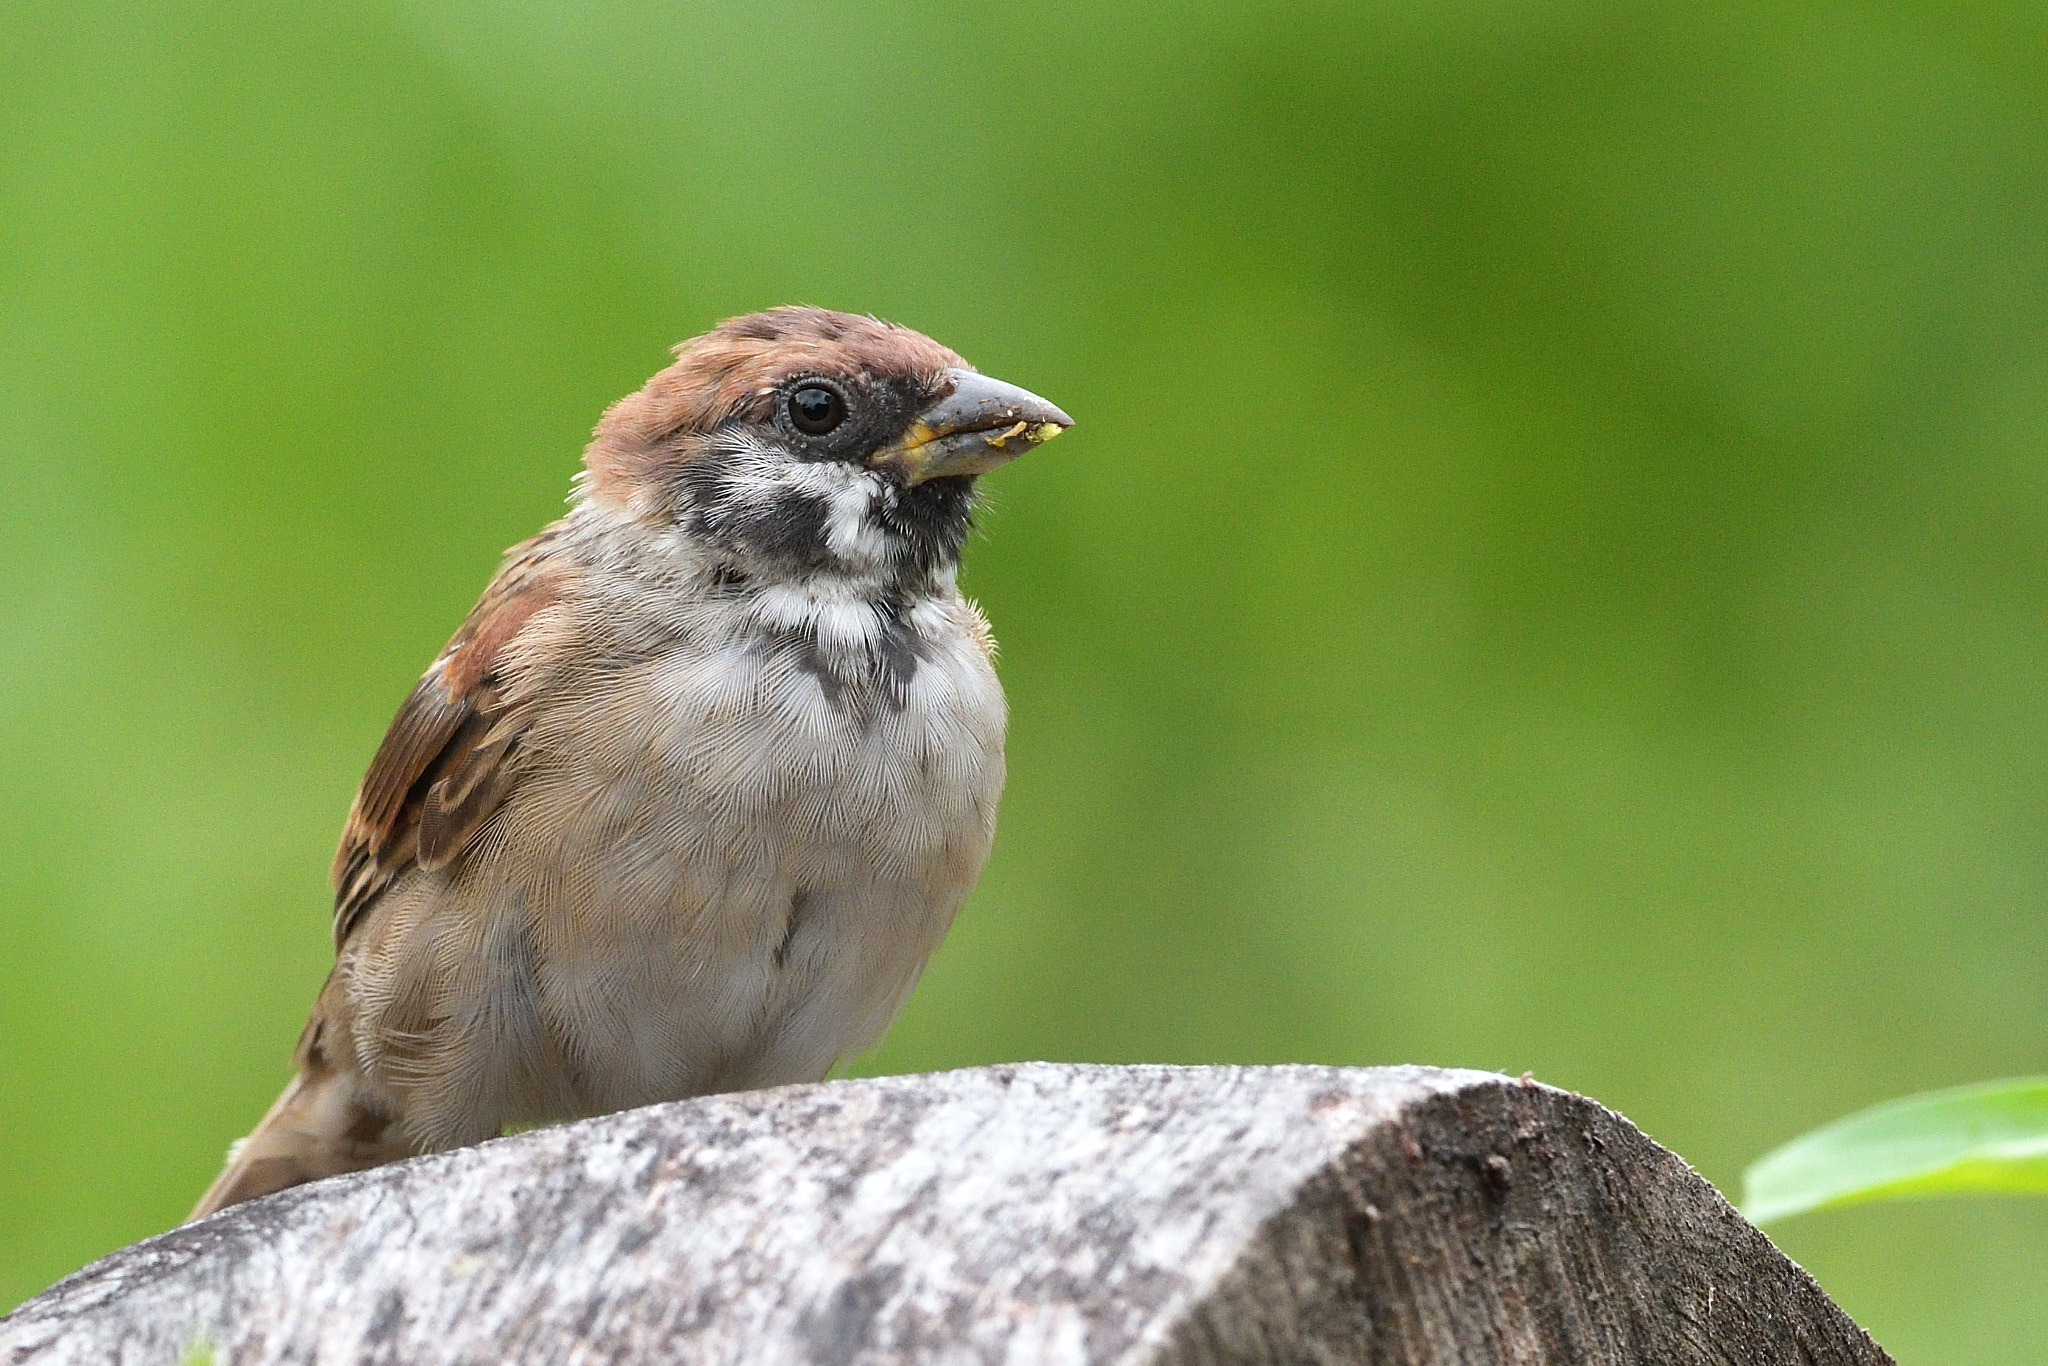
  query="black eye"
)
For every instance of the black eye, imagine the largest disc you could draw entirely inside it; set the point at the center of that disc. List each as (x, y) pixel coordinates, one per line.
(815, 410)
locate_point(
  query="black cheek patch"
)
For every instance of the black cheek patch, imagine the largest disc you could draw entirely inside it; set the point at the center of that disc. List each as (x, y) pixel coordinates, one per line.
(785, 524)
(791, 527)
(704, 484)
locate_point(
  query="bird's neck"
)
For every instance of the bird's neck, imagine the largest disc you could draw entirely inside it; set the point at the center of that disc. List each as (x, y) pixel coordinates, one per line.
(862, 632)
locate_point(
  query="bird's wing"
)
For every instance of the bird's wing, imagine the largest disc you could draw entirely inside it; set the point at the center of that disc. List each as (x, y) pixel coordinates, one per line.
(451, 753)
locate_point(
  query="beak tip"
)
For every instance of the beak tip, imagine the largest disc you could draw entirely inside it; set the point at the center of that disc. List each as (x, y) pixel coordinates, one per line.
(981, 424)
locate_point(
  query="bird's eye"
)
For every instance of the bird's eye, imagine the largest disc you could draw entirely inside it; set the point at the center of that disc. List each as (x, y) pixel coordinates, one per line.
(815, 410)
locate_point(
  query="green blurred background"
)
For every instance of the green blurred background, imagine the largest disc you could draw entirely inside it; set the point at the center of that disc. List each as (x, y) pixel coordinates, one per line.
(1552, 572)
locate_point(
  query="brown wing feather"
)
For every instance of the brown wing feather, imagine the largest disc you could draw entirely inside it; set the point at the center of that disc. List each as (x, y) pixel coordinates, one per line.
(448, 759)
(474, 772)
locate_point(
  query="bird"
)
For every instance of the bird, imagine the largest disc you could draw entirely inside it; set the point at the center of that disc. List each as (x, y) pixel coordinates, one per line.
(698, 786)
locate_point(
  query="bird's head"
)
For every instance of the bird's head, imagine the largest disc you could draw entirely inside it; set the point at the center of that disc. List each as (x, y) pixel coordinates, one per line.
(800, 441)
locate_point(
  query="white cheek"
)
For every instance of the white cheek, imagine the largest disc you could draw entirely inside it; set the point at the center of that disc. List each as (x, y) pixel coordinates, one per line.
(755, 478)
(850, 530)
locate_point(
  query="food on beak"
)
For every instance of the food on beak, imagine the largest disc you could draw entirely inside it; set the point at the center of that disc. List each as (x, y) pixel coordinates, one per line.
(983, 423)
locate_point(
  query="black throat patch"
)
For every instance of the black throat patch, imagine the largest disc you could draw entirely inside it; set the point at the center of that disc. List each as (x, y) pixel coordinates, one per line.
(932, 520)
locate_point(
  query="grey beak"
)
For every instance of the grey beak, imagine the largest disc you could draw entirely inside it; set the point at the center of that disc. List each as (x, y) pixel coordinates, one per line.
(983, 423)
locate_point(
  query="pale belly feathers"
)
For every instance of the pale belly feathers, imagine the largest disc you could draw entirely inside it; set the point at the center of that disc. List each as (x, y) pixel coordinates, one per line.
(738, 888)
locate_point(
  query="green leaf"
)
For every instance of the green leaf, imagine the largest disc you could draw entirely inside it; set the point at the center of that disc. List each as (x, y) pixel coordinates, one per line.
(1989, 1137)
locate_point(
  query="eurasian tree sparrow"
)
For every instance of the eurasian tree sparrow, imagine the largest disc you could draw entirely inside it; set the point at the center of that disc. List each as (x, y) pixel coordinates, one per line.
(699, 784)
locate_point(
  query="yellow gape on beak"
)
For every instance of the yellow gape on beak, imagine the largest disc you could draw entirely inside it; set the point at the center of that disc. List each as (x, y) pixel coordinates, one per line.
(983, 423)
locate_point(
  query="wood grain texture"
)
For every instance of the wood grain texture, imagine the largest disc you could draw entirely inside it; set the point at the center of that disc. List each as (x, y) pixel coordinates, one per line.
(1032, 1213)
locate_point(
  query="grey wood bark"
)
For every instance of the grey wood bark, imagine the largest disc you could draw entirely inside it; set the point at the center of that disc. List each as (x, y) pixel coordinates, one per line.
(1025, 1214)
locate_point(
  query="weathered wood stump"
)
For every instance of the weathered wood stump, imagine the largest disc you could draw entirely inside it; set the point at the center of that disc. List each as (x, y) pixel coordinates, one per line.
(1035, 1213)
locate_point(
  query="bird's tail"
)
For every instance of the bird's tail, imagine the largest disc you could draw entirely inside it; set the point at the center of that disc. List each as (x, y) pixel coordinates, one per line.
(319, 1127)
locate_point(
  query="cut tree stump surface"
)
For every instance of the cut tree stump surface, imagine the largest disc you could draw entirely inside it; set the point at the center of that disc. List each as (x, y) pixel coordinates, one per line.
(1026, 1214)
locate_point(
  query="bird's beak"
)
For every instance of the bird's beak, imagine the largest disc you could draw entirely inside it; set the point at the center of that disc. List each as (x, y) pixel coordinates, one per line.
(983, 423)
